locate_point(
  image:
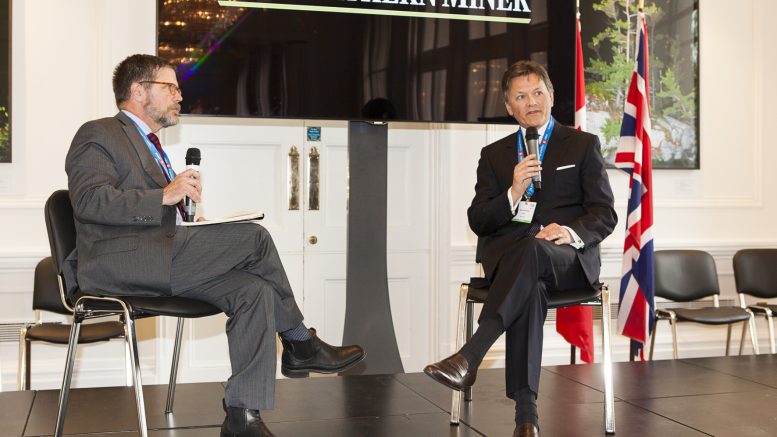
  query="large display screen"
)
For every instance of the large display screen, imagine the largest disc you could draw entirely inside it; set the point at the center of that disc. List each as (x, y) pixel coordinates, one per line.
(254, 62)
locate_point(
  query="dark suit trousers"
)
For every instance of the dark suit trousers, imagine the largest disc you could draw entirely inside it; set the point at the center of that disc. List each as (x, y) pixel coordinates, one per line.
(236, 268)
(525, 275)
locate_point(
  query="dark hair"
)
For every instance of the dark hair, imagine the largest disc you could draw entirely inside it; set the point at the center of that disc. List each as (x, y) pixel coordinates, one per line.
(135, 68)
(525, 68)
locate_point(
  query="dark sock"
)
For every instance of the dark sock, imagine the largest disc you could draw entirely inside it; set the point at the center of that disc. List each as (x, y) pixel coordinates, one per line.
(487, 333)
(526, 407)
(300, 333)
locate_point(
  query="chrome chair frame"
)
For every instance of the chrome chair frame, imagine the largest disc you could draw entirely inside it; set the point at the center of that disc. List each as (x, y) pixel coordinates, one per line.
(464, 331)
(671, 316)
(762, 309)
(25, 348)
(80, 313)
(61, 230)
(754, 276)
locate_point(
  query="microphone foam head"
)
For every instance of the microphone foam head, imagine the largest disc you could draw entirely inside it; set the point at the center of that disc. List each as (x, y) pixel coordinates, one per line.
(193, 156)
(531, 133)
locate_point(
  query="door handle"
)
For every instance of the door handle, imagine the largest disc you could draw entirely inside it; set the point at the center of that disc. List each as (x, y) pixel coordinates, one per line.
(313, 179)
(293, 179)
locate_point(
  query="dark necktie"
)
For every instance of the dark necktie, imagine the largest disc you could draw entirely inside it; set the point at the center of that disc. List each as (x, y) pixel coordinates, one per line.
(162, 164)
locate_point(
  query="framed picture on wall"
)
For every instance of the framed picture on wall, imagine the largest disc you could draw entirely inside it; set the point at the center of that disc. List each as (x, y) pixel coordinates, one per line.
(5, 81)
(608, 31)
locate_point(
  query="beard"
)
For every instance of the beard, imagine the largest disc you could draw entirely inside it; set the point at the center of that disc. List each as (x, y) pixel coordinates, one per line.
(164, 117)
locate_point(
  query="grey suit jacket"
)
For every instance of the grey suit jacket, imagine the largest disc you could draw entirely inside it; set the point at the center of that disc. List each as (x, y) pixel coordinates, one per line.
(124, 234)
(575, 192)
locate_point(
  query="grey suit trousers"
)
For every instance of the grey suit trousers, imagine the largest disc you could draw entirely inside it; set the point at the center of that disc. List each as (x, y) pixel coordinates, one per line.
(236, 268)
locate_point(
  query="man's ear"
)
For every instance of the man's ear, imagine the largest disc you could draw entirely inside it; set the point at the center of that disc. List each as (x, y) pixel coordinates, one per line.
(137, 92)
(509, 110)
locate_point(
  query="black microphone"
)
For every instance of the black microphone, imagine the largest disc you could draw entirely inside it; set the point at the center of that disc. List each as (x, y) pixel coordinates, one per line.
(531, 148)
(193, 161)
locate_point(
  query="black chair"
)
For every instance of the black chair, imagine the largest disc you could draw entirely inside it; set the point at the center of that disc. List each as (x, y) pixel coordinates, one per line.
(755, 273)
(62, 238)
(47, 295)
(477, 290)
(689, 275)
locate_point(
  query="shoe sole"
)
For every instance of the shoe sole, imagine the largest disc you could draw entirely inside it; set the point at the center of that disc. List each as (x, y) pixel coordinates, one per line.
(304, 373)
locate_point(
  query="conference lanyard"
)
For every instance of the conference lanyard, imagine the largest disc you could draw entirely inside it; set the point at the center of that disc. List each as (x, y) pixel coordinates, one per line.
(162, 160)
(543, 149)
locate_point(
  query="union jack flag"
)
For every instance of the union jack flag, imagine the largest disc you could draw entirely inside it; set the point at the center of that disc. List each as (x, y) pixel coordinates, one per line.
(634, 156)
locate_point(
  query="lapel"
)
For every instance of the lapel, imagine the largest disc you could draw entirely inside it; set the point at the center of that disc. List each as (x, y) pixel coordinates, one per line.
(508, 158)
(554, 157)
(150, 166)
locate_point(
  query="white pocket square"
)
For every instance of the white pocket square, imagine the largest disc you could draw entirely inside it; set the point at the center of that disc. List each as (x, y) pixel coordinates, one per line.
(564, 167)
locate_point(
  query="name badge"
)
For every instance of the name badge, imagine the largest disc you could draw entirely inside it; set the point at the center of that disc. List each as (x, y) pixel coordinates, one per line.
(525, 212)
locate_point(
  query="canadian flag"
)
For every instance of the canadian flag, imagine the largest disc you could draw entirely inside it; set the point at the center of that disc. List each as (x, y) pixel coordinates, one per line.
(576, 324)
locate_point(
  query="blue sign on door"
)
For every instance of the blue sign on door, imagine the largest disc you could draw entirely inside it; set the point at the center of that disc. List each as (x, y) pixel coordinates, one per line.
(314, 134)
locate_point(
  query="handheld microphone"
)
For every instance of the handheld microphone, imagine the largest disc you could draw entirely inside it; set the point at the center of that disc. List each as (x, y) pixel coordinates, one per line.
(531, 148)
(192, 161)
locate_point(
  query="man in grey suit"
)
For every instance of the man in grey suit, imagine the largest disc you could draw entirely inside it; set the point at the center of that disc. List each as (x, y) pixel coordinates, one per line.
(126, 203)
(534, 241)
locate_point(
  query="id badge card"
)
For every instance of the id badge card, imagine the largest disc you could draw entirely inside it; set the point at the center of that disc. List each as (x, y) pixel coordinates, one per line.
(525, 212)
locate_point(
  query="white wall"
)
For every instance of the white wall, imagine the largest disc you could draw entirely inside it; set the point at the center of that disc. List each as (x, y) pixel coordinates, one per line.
(63, 55)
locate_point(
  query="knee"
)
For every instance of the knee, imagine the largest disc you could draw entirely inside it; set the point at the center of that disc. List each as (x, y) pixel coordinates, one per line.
(255, 293)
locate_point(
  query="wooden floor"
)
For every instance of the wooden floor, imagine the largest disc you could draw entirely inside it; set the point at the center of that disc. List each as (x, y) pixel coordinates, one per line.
(735, 396)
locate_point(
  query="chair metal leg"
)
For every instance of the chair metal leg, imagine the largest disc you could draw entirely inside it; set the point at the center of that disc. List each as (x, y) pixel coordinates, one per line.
(770, 326)
(609, 396)
(127, 360)
(653, 339)
(728, 341)
(460, 334)
(470, 331)
(133, 344)
(174, 369)
(69, 363)
(742, 337)
(23, 379)
(673, 322)
(753, 335)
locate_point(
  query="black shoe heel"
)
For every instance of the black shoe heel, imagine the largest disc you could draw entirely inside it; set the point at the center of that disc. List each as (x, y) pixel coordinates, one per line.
(295, 373)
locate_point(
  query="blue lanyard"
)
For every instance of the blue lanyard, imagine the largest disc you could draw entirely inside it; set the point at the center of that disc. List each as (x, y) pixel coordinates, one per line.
(543, 148)
(162, 160)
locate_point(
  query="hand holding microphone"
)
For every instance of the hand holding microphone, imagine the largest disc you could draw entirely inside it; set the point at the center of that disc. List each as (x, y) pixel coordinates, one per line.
(192, 163)
(532, 136)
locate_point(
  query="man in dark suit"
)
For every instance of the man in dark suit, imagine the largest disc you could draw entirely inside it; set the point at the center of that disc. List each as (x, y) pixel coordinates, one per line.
(126, 204)
(534, 240)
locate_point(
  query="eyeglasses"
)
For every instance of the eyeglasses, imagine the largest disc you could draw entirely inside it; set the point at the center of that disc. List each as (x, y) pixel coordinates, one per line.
(171, 87)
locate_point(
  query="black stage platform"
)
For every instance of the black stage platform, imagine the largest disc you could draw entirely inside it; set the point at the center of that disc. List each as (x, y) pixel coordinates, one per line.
(735, 396)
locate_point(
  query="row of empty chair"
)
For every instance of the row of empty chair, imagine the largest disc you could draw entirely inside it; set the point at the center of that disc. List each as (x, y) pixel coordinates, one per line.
(690, 275)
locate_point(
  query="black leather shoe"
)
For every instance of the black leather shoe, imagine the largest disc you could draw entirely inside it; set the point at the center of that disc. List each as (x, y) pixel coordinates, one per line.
(241, 422)
(452, 372)
(302, 357)
(526, 430)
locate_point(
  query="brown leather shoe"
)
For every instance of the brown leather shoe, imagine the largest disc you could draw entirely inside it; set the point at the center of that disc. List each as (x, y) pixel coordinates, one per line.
(452, 372)
(526, 430)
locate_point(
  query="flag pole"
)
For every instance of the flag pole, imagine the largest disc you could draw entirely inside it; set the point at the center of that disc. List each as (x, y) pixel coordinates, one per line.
(578, 9)
(640, 5)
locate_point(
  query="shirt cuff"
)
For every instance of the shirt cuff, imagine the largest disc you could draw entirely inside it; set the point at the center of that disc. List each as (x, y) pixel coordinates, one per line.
(577, 242)
(513, 204)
